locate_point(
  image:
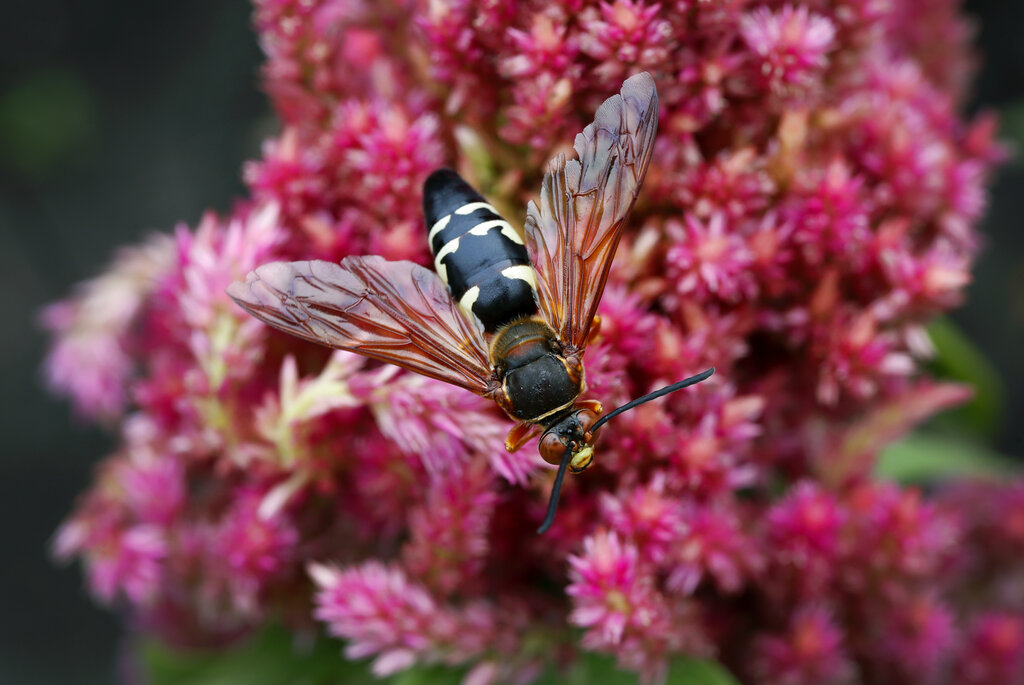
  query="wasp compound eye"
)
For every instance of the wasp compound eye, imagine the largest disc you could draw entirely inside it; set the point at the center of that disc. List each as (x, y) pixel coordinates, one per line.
(551, 448)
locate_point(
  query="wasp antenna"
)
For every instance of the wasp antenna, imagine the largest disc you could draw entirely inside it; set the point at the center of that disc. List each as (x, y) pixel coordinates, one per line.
(686, 382)
(555, 493)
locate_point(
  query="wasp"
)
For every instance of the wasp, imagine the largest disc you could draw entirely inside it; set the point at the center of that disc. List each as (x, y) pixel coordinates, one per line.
(504, 314)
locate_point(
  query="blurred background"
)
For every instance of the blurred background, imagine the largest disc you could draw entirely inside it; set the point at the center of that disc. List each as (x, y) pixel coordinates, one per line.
(118, 118)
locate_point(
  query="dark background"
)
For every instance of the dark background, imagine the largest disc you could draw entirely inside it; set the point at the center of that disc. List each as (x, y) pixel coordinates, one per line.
(120, 117)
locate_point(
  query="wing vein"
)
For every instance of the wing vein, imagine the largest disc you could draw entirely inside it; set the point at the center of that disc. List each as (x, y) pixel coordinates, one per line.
(574, 228)
(397, 312)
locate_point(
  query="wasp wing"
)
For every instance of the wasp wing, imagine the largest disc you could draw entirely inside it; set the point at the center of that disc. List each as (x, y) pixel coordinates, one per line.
(573, 231)
(396, 312)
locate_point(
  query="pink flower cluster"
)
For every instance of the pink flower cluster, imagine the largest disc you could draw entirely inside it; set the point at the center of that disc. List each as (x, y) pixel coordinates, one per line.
(811, 204)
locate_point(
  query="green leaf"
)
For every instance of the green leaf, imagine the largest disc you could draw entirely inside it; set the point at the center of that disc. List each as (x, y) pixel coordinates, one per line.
(853, 451)
(277, 657)
(274, 657)
(599, 669)
(428, 675)
(1011, 127)
(44, 118)
(959, 359)
(922, 458)
(699, 672)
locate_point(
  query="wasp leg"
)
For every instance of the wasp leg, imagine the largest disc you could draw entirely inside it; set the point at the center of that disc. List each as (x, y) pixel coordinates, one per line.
(593, 405)
(519, 435)
(595, 329)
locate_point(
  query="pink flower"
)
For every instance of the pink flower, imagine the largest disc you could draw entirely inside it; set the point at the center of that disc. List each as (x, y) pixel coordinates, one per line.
(448, 29)
(210, 260)
(711, 457)
(312, 47)
(790, 45)
(154, 487)
(380, 612)
(444, 429)
(391, 156)
(627, 328)
(810, 651)
(803, 535)
(713, 547)
(607, 589)
(922, 282)
(857, 358)
(616, 602)
(545, 48)
(123, 529)
(449, 532)
(831, 218)
(92, 369)
(992, 519)
(118, 560)
(993, 651)
(709, 261)
(539, 112)
(651, 520)
(91, 360)
(811, 203)
(253, 548)
(731, 186)
(290, 173)
(915, 640)
(625, 37)
(897, 540)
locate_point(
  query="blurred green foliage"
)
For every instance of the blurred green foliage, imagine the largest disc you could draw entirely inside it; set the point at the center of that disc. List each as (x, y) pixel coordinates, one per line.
(924, 458)
(959, 359)
(1011, 129)
(954, 444)
(276, 657)
(44, 118)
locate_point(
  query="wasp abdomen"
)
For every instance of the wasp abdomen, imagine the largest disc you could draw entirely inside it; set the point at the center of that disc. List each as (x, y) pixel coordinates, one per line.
(479, 255)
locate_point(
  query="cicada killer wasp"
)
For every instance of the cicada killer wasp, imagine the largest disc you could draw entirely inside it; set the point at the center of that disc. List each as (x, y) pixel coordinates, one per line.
(506, 315)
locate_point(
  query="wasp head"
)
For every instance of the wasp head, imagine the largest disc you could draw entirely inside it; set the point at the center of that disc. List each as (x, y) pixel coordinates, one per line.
(570, 432)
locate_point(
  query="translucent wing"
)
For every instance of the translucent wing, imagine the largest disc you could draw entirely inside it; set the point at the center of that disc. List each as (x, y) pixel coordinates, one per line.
(397, 312)
(573, 231)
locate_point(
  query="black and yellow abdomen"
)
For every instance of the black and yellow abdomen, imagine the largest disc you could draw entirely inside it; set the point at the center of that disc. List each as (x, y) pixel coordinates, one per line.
(479, 255)
(485, 264)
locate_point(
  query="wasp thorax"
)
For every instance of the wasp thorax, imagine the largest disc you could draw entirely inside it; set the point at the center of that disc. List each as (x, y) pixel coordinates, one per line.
(571, 432)
(537, 381)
